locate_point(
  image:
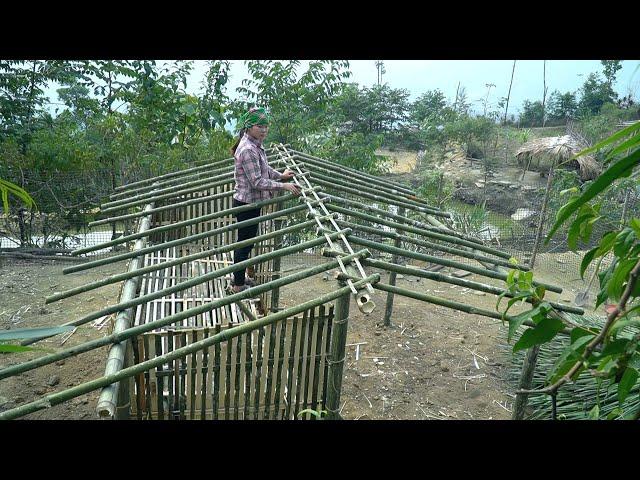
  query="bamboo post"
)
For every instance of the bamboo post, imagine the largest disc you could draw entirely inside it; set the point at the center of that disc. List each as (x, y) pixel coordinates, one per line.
(275, 294)
(528, 367)
(392, 279)
(108, 401)
(336, 361)
(543, 214)
(59, 397)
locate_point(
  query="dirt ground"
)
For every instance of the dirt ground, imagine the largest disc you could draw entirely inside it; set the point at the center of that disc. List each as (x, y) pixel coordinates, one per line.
(432, 363)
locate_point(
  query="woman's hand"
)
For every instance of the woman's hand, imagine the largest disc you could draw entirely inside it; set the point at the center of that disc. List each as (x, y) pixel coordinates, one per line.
(290, 187)
(288, 174)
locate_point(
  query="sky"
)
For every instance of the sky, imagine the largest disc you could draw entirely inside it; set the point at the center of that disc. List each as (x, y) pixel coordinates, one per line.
(419, 76)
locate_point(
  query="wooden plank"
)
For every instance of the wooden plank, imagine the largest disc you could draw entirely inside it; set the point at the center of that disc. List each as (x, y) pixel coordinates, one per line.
(325, 355)
(300, 360)
(308, 361)
(222, 391)
(238, 379)
(295, 338)
(156, 349)
(283, 346)
(192, 375)
(250, 365)
(203, 371)
(267, 352)
(317, 356)
(216, 376)
(258, 372)
(231, 377)
(274, 350)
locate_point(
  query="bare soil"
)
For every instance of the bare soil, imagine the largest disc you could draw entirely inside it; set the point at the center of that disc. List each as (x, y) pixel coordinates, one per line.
(431, 363)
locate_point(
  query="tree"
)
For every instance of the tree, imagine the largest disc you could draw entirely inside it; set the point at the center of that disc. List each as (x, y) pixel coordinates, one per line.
(429, 108)
(562, 106)
(610, 68)
(594, 94)
(532, 113)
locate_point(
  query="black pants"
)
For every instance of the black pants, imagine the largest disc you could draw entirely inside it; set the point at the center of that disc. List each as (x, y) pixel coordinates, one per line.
(244, 233)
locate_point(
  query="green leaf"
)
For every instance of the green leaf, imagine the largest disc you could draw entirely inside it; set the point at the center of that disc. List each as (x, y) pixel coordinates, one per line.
(594, 414)
(626, 384)
(586, 260)
(541, 333)
(615, 347)
(615, 413)
(630, 130)
(619, 277)
(5, 348)
(570, 355)
(620, 169)
(30, 333)
(517, 321)
(608, 240)
(635, 225)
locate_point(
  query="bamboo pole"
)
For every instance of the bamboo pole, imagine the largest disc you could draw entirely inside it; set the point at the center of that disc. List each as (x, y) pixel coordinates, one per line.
(56, 398)
(178, 261)
(280, 232)
(333, 184)
(461, 282)
(392, 276)
(441, 261)
(336, 360)
(184, 179)
(196, 281)
(116, 356)
(416, 241)
(543, 214)
(173, 206)
(528, 368)
(182, 241)
(402, 219)
(159, 323)
(353, 180)
(425, 233)
(311, 160)
(186, 223)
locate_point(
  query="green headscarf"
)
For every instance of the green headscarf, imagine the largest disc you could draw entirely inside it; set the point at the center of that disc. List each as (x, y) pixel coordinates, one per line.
(255, 116)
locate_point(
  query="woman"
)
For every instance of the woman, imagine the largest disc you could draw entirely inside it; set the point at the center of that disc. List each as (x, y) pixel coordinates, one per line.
(255, 181)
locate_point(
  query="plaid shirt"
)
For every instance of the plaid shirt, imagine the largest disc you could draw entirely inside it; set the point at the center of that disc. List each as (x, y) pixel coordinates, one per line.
(253, 175)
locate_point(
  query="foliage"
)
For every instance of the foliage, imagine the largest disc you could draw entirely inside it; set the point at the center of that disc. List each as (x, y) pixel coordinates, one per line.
(436, 188)
(595, 92)
(7, 188)
(562, 106)
(532, 114)
(612, 351)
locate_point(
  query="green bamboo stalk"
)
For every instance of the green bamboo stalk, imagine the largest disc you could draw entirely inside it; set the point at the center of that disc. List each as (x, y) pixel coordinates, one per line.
(281, 361)
(116, 356)
(402, 219)
(270, 368)
(336, 363)
(196, 281)
(300, 355)
(322, 319)
(350, 171)
(434, 246)
(353, 180)
(419, 231)
(207, 307)
(461, 282)
(173, 206)
(184, 223)
(178, 261)
(215, 391)
(238, 379)
(388, 310)
(333, 184)
(183, 240)
(258, 375)
(441, 261)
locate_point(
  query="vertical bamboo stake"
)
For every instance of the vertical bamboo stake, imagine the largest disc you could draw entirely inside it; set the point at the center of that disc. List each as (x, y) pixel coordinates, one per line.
(275, 293)
(336, 363)
(392, 278)
(543, 214)
(528, 367)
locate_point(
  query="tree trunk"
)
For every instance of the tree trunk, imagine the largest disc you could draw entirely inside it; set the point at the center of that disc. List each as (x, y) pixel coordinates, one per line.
(543, 213)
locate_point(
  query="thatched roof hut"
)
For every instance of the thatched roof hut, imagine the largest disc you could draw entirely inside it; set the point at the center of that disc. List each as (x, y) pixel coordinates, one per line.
(539, 155)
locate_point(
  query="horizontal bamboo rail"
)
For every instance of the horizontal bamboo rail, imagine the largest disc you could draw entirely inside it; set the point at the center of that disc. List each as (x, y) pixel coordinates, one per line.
(60, 397)
(441, 261)
(196, 281)
(120, 337)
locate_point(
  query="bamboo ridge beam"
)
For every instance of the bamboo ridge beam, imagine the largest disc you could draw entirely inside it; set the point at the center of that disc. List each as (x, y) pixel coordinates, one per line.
(441, 261)
(174, 206)
(311, 160)
(434, 246)
(178, 261)
(120, 337)
(196, 281)
(184, 240)
(185, 223)
(60, 397)
(440, 277)
(418, 231)
(400, 218)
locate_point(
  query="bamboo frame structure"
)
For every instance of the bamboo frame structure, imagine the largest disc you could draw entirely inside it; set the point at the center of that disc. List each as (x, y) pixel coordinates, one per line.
(186, 348)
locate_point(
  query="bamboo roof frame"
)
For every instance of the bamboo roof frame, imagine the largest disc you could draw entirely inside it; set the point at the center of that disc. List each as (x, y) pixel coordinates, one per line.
(331, 231)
